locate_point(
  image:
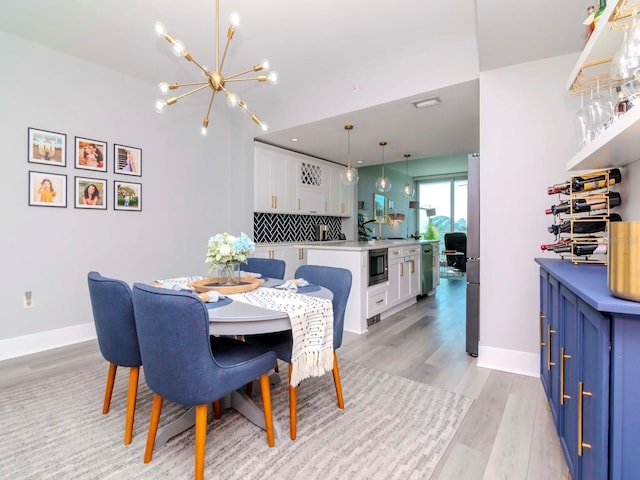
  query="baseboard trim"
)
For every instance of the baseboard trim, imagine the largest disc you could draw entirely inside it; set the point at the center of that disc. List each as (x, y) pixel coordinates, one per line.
(511, 361)
(39, 342)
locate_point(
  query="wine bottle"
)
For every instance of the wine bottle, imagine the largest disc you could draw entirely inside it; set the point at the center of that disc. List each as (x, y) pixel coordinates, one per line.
(551, 246)
(584, 226)
(582, 249)
(586, 204)
(592, 181)
(599, 12)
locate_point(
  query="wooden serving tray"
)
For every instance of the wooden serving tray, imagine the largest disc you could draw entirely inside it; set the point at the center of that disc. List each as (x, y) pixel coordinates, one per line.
(207, 284)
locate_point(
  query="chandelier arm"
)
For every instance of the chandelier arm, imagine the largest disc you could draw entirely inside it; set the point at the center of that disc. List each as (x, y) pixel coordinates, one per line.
(259, 78)
(187, 93)
(204, 70)
(217, 34)
(213, 96)
(254, 117)
(190, 84)
(226, 47)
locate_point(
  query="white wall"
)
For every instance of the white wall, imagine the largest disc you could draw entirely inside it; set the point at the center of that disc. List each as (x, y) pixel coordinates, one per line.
(192, 187)
(526, 138)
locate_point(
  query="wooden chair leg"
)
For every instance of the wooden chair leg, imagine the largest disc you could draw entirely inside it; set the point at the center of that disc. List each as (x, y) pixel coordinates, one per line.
(156, 408)
(217, 409)
(265, 389)
(201, 439)
(336, 380)
(293, 407)
(134, 374)
(111, 377)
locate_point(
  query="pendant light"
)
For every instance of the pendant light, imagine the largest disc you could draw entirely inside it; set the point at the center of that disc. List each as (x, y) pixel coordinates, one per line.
(382, 183)
(350, 176)
(408, 190)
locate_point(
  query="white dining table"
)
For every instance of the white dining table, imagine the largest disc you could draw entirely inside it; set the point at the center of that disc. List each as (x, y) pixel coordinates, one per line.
(239, 318)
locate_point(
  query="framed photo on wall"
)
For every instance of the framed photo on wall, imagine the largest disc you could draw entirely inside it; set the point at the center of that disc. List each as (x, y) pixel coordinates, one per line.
(90, 193)
(127, 196)
(47, 189)
(48, 148)
(378, 205)
(91, 154)
(127, 160)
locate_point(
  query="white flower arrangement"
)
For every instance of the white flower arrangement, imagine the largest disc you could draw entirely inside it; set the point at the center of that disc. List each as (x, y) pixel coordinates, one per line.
(225, 248)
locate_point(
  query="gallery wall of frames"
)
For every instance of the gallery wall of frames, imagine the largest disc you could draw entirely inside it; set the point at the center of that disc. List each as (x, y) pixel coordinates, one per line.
(92, 160)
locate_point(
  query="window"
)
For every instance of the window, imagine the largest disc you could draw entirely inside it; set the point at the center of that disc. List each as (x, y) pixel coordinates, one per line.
(445, 195)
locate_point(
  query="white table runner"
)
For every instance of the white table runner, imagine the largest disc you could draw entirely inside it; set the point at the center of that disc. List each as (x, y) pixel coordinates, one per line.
(311, 326)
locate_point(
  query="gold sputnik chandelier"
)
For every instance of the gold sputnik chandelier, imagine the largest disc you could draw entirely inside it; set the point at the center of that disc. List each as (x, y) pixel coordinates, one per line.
(214, 79)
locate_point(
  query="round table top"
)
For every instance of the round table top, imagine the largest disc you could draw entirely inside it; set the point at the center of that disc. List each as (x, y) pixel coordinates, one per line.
(239, 318)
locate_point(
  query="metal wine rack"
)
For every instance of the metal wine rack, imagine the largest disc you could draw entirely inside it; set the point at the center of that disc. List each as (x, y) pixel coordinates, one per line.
(599, 214)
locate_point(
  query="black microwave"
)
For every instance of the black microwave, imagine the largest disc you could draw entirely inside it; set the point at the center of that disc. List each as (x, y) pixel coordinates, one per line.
(378, 266)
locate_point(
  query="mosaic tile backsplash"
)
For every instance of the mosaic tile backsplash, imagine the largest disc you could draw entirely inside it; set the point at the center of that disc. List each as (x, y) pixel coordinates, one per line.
(274, 227)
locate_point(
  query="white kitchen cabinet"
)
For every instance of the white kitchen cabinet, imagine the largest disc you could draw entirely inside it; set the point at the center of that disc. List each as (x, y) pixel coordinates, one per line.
(270, 251)
(377, 301)
(274, 182)
(294, 257)
(396, 268)
(311, 187)
(410, 272)
(338, 195)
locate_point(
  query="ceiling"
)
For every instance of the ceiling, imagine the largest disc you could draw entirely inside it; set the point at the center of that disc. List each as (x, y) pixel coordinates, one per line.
(356, 62)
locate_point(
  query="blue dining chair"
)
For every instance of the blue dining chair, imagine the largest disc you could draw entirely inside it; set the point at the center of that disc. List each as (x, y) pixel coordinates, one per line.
(186, 365)
(267, 267)
(117, 338)
(336, 279)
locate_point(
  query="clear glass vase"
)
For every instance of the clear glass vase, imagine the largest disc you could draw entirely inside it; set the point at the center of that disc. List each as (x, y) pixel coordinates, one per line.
(229, 273)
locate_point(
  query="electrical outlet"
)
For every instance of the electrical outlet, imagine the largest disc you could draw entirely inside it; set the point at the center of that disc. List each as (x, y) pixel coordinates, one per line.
(28, 300)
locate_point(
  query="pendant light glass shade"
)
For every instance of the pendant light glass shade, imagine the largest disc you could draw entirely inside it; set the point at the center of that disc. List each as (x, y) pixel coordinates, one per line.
(350, 175)
(408, 190)
(383, 184)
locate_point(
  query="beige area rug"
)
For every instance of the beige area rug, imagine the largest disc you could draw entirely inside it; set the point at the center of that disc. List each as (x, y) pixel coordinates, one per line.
(391, 428)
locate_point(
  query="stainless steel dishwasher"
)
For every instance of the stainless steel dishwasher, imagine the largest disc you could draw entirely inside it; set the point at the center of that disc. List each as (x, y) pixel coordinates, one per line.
(427, 268)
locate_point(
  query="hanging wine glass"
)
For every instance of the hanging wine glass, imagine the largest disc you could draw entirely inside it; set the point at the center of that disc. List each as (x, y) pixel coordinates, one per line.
(582, 126)
(600, 112)
(619, 69)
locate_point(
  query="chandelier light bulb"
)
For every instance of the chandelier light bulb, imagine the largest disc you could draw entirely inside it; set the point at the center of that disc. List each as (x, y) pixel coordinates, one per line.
(164, 87)
(265, 64)
(233, 100)
(178, 48)
(273, 77)
(234, 19)
(160, 105)
(160, 29)
(264, 127)
(203, 131)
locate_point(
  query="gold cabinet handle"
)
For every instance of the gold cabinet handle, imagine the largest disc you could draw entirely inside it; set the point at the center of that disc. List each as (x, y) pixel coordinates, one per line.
(402, 269)
(542, 317)
(581, 393)
(563, 357)
(379, 301)
(413, 266)
(549, 362)
(298, 204)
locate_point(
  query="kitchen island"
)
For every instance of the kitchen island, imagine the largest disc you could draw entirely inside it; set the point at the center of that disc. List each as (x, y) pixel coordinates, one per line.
(370, 303)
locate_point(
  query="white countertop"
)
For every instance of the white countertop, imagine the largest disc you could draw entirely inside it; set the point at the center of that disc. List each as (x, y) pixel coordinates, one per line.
(355, 245)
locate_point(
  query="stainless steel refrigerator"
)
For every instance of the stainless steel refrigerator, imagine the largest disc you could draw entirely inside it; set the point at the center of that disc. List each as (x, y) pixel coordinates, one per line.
(473, 254)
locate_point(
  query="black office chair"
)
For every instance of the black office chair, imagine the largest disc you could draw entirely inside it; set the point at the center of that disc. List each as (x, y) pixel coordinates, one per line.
(456, 241)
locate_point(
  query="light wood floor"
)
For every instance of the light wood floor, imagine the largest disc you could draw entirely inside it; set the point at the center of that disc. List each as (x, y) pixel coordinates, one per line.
(508, 432)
